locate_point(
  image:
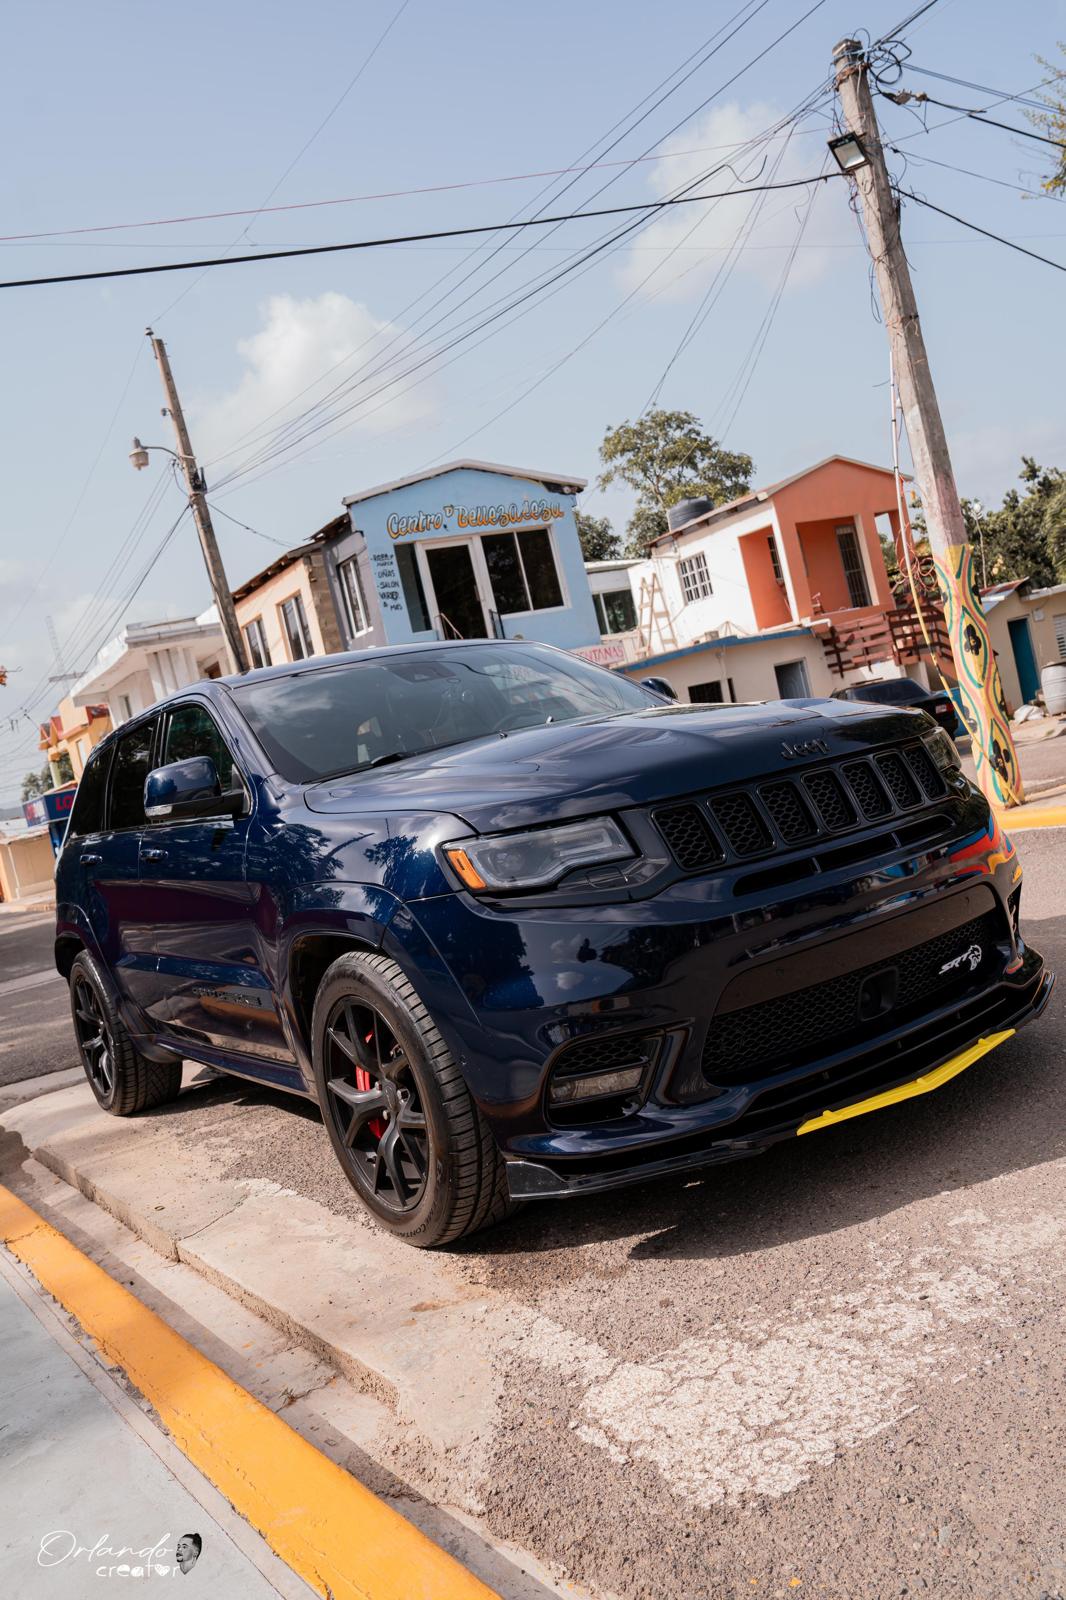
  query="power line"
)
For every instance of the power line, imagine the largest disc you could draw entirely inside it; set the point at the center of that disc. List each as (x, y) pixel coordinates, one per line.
(968, 172)
(908, 21)
(983, 88)
(975, 115)
(998, 237)
(392, 239)
(71, 234)
(697, 59)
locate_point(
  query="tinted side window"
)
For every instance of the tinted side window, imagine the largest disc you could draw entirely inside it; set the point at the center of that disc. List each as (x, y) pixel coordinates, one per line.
(192, 731)
(129, 768)
(88, 813)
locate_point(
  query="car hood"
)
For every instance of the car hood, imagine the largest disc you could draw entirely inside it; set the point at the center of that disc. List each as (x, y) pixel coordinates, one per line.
(580, 768)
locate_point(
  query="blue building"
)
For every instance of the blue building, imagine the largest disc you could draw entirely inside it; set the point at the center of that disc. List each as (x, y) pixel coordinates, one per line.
(470, 550)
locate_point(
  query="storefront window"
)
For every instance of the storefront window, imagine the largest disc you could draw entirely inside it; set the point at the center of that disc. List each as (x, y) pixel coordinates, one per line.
(522, 570)
(615, 611)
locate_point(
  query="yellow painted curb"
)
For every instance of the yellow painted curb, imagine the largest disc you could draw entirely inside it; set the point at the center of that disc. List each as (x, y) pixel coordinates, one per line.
(1017, 820)
(907, 1091)
(330, 1529)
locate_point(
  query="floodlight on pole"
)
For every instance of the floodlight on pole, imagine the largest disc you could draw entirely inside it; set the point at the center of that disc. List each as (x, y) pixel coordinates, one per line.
(849, 153)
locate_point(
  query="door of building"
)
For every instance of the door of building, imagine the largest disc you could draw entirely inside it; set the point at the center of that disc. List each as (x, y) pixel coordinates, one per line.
(457, 609)
(1021, 642)
(792, 680)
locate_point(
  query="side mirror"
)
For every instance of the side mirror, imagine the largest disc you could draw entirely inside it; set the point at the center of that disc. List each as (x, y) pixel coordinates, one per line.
(659, 686)
(189, 789)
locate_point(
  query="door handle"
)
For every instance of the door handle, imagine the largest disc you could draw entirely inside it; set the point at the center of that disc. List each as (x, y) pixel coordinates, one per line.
(155, 855)
(90, 859)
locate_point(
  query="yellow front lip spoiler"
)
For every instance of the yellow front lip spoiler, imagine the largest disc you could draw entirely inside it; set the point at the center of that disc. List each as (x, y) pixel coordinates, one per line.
(907, 1091)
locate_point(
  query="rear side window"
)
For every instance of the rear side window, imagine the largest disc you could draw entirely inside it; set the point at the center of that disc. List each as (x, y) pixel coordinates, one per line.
(129, 768)
(88, 813)
(192, 731)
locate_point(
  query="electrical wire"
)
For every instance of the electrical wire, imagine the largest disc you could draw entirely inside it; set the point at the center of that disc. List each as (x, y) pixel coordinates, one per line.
(983, 88)
(704, 54)
(968, 172)
(974, 115)
(985, 232)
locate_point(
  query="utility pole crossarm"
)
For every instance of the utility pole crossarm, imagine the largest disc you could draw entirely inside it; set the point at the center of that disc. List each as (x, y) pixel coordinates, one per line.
(983, 705)
(194, 483)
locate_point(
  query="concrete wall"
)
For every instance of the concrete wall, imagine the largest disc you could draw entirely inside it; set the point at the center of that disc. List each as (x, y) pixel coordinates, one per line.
(750, 664)
(27, 864)
(441, 509)
(1042, 608)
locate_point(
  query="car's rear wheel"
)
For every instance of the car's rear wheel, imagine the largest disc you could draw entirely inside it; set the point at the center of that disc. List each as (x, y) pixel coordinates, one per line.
(123, 1081)
(401, 1119)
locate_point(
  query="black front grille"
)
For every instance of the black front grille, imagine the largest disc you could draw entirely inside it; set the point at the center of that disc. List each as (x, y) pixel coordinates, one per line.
(607, 1054)
(791, 816)
(785, 812)
(868, 790)
(688, 834)
(834, 807)
(742, 825)
(897, 775)
(823, 1017)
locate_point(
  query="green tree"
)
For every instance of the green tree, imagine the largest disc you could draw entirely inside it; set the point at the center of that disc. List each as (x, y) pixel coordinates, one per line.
(1026, 536)
(599, 542)
(64, 768)
(666, 456)
(35, 783)
(1052, 122)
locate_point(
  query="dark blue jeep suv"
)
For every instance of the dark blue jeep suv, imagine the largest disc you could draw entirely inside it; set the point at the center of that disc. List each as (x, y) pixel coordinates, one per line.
(523, 928)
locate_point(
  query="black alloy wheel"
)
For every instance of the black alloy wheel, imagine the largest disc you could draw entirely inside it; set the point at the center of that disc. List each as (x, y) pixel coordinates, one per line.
(95, 1039)
(123, 1080)
(403, 1124)
(376, 1107)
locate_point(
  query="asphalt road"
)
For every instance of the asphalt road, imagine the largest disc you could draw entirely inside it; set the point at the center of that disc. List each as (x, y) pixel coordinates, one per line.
(834, 1370)
(35, 1030)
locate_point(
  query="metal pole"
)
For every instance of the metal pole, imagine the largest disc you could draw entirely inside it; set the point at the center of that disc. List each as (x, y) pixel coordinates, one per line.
(984, 708)
(194, 482)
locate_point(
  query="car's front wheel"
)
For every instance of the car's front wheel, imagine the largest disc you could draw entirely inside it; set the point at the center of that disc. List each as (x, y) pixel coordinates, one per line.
(123, 1081)
(399, 1115)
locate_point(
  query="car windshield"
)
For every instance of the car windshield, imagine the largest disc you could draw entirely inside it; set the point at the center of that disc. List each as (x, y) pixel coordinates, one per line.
(332, 720)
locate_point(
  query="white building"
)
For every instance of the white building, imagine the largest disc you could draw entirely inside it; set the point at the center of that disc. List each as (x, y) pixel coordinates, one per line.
(149, 660)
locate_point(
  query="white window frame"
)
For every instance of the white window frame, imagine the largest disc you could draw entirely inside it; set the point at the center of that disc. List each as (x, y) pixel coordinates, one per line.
(306, 640)
(353, 600)
(482, 580)
(695, 578)
(599, 600)
(1059, 623)
(254, 631)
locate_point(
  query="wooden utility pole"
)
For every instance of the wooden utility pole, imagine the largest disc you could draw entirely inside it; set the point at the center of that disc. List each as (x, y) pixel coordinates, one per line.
(194, 482)
(980, 691)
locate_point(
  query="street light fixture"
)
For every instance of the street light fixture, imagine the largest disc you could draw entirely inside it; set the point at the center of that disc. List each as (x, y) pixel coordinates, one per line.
(138, 456)
(849, 152)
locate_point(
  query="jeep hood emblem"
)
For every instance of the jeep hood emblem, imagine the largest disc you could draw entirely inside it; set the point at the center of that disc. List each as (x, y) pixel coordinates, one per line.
(804, 747)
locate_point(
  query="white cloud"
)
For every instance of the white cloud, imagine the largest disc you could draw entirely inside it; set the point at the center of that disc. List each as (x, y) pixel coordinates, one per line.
(705, 233)
(300, 341)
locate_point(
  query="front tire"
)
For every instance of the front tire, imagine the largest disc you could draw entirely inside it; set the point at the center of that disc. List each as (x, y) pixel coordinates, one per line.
(123, 1081)
(400, 1117)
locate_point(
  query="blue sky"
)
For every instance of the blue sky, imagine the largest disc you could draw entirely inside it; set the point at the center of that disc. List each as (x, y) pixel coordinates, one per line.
(127, 113)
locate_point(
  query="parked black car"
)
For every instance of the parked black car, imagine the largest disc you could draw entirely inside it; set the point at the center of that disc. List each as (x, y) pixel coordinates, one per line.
(524, 929)
(905, 692)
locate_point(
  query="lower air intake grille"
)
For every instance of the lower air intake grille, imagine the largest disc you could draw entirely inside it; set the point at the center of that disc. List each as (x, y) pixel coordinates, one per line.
(825, 1016)
(689, 836)
(742, 825)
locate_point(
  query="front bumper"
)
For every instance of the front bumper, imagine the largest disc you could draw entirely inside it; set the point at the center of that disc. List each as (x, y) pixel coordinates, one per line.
(864, 1084)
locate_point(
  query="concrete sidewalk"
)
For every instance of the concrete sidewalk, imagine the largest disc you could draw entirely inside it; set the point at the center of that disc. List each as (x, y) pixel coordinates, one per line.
(91, 1488)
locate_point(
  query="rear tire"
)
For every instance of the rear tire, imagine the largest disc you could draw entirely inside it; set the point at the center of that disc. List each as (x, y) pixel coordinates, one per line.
(402, 1122)
(123, 1081)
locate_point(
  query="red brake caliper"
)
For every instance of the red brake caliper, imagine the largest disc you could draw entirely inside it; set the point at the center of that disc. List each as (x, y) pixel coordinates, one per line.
(363, 1082)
